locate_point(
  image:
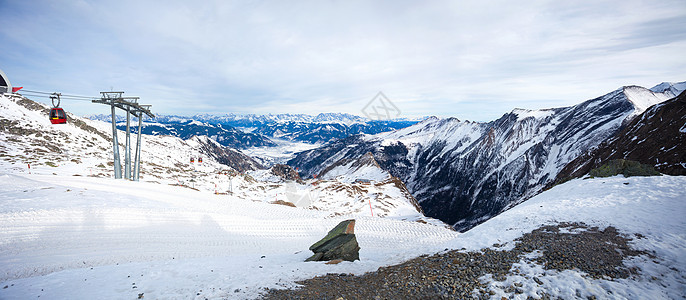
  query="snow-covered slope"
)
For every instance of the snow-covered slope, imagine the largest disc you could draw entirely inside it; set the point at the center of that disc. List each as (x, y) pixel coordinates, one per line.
(83, 147)
(365, 182)
(648, 210)
(465, 172)
(384, 196)
(642, 98)
(363, 168)
(67, 237)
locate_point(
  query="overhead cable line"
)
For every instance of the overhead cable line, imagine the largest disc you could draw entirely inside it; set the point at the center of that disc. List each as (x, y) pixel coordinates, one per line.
(63, 96)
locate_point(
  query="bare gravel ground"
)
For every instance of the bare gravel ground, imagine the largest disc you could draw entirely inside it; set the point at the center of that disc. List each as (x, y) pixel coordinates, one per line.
(455, 274)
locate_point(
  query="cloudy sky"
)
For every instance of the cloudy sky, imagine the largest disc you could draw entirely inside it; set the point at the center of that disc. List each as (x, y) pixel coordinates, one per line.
(469, 59)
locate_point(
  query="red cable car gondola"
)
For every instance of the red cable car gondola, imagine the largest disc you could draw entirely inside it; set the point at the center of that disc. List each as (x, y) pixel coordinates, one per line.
(57, 114)
(200, 159)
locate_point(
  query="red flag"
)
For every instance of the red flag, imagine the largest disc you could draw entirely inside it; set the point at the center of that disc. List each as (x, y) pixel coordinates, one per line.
(16, 89)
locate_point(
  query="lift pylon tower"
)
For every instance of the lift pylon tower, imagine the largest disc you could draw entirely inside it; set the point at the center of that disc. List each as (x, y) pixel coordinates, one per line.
(131, 106)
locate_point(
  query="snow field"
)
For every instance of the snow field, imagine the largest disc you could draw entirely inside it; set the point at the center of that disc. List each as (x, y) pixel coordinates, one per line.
(54, 229)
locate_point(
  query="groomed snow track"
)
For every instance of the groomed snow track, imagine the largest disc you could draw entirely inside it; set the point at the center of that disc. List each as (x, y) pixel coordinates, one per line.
(86, 222)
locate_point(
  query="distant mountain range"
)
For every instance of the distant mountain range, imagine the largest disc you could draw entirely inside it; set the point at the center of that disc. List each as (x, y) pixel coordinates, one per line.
(248, 120)
(466, 172)
(253, 120)
(223, 134)
(325, 132)
(244, 131)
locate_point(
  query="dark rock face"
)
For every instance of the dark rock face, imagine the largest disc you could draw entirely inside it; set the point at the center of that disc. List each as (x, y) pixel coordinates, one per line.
(314, 161)
(339, 243)
(227, 156)
(392, 158)
(656, 137)
(286, 172)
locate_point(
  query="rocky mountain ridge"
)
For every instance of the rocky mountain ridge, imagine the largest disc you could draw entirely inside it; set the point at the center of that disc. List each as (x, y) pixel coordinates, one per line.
(224, 155)
(656, 137)
(467, 172)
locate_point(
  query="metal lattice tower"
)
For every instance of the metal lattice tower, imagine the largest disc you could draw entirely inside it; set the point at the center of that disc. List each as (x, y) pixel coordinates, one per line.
(131, 106)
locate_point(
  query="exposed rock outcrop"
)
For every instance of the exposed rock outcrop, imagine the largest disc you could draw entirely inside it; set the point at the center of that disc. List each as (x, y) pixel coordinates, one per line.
(339, 243)
(627, 168)
(286, 172)
(225, 155)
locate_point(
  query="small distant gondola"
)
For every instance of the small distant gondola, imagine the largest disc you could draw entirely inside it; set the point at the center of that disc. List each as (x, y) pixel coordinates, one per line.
(57, 114)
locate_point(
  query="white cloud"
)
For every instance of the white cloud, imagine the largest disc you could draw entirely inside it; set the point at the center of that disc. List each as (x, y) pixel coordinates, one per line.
(435, 57)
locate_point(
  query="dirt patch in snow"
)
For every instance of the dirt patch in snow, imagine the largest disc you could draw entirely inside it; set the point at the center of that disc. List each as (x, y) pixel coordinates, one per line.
(456, 274)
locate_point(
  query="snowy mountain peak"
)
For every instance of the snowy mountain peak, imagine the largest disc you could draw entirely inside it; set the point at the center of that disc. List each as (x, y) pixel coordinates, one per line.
(430, 119)
(199, 139)
(366, 160)
(529, 113)
(673, 87)
(642, 98)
